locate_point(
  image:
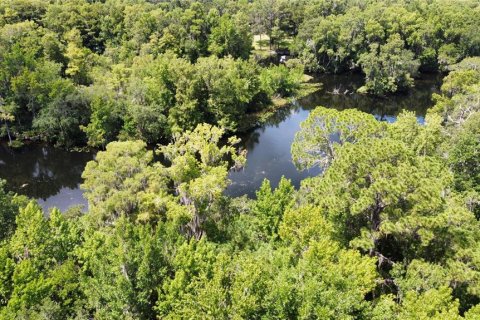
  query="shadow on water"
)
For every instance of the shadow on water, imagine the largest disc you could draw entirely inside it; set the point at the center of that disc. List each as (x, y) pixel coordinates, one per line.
(417, 99)
(53, 176)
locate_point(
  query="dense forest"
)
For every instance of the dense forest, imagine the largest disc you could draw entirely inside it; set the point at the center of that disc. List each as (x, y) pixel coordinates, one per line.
(77, 72)
(390, 229)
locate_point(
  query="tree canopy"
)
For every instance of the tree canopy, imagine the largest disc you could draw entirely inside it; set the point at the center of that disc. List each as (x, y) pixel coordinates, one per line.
(82, 72)
(389, 228)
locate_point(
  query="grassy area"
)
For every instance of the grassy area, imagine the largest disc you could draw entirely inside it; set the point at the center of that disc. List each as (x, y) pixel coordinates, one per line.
(261, 42)
(261, 45)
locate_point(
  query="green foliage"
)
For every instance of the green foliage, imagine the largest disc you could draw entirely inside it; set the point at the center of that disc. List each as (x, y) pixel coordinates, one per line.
(9, 206)
(7, 116)
(267, 283)
(270, 17)
(458, 106)
(422, 139)
(127, 70)
(464, 157)
(231, 86)
(324, 129)
(279, 80)
(388, 68)
(460, 90)
(105, 121)
(60, 121)
(388, 230)
(271, 204)
(381, 234)
(433, 304)
(387, 195)
(39, 276)
(302, 225)
(231, 37)
(79, 58)
(159, 96)
(123, 265)
(117, 180)
(388, 41)
(199, 172)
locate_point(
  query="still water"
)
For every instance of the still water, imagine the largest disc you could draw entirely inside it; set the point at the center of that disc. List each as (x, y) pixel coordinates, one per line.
(53, 176)
(269, 146)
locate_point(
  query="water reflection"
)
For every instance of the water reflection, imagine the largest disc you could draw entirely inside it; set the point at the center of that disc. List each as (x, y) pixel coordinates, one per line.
(417, 99)
(41, 172)
(269, 154)
(269, 146)
(53, 176)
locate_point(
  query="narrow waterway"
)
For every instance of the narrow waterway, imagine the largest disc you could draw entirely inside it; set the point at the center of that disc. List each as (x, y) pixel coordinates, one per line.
(53, 176)
(269, 146)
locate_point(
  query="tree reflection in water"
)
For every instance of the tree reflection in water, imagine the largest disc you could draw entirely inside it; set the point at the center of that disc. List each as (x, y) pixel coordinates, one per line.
(41, 171)
(269, 146)
(53, 176)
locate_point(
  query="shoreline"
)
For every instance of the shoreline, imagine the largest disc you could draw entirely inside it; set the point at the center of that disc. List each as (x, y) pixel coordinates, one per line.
(253, 120)
(250, 121)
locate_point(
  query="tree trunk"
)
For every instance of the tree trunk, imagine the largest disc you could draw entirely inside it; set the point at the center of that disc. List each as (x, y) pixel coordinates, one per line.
(8, 133)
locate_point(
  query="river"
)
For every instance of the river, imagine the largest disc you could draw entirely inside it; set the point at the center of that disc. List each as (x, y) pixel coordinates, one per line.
(53, 176)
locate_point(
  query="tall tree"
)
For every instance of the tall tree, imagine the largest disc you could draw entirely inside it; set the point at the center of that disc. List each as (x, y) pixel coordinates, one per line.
(199, 169)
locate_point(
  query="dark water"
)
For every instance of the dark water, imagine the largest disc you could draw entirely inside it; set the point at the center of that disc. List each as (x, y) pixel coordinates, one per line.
(53, 176)
(269, 146)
